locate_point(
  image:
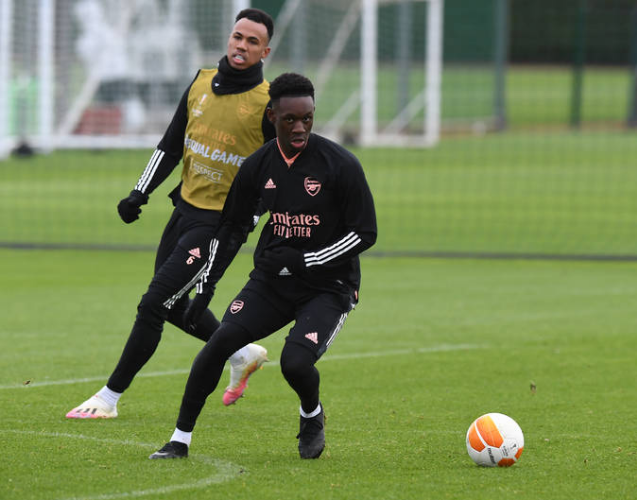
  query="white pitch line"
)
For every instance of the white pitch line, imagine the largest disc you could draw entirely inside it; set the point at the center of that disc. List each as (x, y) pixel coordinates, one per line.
(400, 352)
(225, 470)
(335, 357)
(80, 436)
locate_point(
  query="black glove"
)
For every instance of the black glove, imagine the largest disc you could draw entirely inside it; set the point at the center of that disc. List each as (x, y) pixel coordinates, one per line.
(278, 260)
(129, 209)
(196, 308)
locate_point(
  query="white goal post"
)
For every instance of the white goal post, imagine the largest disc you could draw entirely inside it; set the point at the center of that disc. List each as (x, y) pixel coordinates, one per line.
(429, 99)
(101, 74)
(362, 17)
(53, 74)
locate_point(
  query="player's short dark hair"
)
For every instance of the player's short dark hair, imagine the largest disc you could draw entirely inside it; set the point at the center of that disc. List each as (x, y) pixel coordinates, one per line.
(258, 16)
(290, 85)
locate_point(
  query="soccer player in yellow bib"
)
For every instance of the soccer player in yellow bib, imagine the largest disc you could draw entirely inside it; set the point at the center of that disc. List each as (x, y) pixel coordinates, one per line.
(220, 120)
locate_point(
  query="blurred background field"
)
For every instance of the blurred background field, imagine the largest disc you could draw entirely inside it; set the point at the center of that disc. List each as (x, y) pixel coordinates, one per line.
(524, 194)
(532, 152)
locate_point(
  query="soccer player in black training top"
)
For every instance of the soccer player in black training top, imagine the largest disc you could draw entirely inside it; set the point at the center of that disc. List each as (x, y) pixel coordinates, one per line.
(220, 120)
(306, 264)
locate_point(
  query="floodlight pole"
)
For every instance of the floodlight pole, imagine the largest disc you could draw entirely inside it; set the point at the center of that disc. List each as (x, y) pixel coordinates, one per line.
(46, 55)
(239, 5)
(433, 70)
(403, 53)
(632, 110)
(369, 64)
(6, 35)
(501, 56)
(579, 61)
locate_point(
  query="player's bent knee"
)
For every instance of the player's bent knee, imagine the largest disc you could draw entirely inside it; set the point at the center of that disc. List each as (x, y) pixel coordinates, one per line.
(296, 360)
(151, 308)
(228, 338)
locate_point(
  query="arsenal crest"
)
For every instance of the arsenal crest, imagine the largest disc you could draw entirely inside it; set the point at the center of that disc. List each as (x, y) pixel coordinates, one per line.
(312, 186)
(236, 306)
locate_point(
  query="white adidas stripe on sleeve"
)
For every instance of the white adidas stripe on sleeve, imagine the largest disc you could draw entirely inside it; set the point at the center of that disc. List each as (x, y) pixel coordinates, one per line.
(214, 245)
(149, 171)
(332, 252)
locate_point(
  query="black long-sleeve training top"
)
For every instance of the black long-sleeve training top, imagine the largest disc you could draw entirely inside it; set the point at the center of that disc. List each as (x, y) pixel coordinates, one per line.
(321, 206)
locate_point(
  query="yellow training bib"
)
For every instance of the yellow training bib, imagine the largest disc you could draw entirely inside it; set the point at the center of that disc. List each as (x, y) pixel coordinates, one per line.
(222, 131)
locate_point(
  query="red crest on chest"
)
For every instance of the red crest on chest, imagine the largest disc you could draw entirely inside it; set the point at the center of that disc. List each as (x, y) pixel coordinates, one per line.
(312, 186)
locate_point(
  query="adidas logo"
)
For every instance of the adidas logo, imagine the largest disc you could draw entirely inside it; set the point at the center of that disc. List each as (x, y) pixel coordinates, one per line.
(270, 184)
(195, 253)
(312, 337)
(285, 272)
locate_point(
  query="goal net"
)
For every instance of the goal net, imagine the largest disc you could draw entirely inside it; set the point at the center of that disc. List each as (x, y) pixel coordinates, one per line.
(101, 73)
(108, 73)
(397, 72)
(376, 65)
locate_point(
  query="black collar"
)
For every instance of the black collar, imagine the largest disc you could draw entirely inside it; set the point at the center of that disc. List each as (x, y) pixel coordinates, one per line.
(236, 81)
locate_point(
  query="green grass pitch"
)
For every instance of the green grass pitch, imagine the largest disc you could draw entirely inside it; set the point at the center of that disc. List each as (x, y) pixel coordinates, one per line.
(561, 193)
(433, 344)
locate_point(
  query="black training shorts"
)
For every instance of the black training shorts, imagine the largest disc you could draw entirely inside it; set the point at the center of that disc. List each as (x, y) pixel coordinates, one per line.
(264, 307)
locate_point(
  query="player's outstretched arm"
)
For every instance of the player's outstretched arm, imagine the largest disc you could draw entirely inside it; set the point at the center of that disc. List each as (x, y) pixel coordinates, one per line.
(160, 165)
